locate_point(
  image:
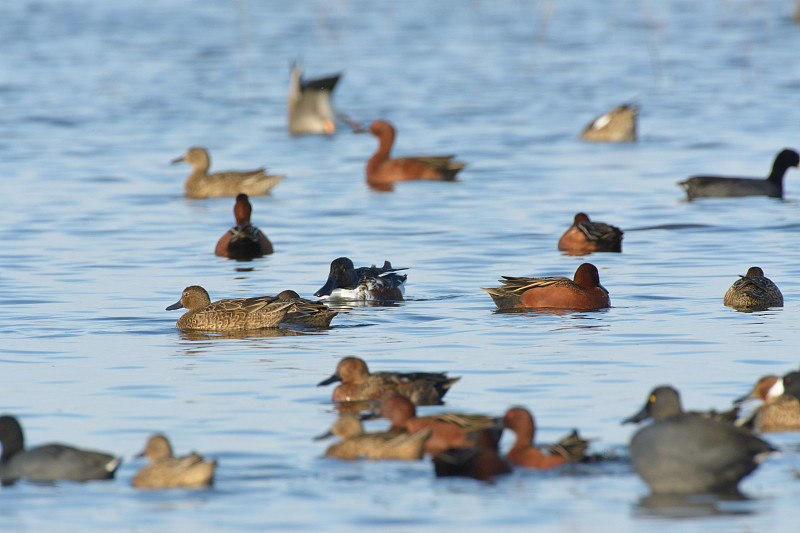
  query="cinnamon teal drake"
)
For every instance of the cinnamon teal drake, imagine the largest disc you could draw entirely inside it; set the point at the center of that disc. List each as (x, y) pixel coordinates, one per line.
(309, 108)
(306, 312)
(450, 430)
(525, 454)
(363, 283)
(618, 125)
(355, 444)
(582, 293)
(243, 241)
(684, 453)
(201, 184)
(585, 237)
(229, 315)
(720, 186)
(422, 388)
(778, 411)
(753, 292)
(50, 462)
(382, 171)
(168, 471)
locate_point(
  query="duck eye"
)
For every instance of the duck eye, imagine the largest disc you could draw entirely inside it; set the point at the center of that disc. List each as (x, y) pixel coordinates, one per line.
(652, 398)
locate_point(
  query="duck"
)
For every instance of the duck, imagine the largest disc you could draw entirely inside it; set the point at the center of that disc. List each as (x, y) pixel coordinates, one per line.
(683, 453)
(355, 444)
(481, 461)
(363, 283)
(243, 241)
(618, 125)
(201, 184)
(585, 237)
(305, 312)
(309, 109)
(422, 388)
(50, 462)
(450, 430)
(382, 171)
(778, 412)
(168, 471)
(525, 454)
(584, 293)
(720, 186)
(753, 292)
(229, 315)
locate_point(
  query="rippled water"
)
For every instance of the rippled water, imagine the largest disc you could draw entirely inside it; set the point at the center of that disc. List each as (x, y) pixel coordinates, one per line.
(97, 97)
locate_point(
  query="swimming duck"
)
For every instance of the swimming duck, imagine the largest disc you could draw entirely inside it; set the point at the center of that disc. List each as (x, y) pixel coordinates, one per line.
(450, 430)
(356, 444)
(524, 453)
(618, 125)
(50, 462)
(167, 471)
(778, 412)
(201, 184)
(584, 293)
(306, 312)
(753, 292)
(383, 171)
(228, 315)
(243, 241)
(585, 237)
(422, 388)
(683, 453)
(309, 108)
(482, 461)
(719, 186)
(363, 283)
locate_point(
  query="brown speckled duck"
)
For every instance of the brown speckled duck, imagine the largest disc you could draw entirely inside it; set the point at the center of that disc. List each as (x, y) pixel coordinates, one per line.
(167, 471)
(422, 388)
(201, 184)
(306, 312)
(229, 315)
(753, 292)
(355, 444)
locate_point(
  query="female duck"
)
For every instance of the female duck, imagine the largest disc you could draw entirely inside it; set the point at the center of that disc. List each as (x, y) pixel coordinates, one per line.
(582, 293)
(753, 292)
(229, 315)
(243, 241)
(201, 184)
(166, 470)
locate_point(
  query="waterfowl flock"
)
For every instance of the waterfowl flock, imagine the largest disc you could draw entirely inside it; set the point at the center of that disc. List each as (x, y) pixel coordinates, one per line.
(378, 411)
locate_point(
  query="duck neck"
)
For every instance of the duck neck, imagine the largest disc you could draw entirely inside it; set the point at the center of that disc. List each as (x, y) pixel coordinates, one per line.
(385, 142)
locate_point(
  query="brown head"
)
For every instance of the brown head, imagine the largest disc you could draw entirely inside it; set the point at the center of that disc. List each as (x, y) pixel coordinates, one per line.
(581, 217)
(193, 297)
(399, 410)
(157, 448)
(384, 132)
(754, 272)
(760, 391)
(197, 157)
(288, 294)
(346, 427)
(587, 276)
(352, 370)
(242, 210)
(520, 421)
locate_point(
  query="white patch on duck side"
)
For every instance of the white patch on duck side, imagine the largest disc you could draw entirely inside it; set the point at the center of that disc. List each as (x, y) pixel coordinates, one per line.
(601, 121)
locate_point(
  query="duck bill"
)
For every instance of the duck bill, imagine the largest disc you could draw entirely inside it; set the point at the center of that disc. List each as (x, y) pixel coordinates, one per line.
(324, 436)
(333, 379)
(176, 160)
(326, 289)
(739, 401)
(176, 305)
(638, 417)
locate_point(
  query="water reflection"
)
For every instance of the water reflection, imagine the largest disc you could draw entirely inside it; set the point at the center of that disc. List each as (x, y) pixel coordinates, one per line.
(680, 506)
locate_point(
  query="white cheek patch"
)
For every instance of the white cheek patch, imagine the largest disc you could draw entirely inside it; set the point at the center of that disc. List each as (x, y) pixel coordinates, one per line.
(776, 390)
